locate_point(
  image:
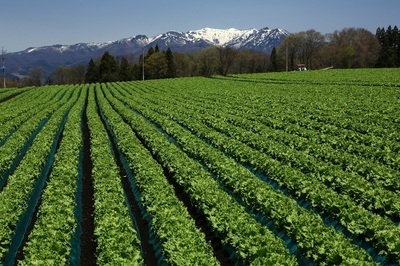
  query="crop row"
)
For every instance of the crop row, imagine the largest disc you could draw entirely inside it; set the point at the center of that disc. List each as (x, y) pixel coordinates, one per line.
(18, 105)
(330, 148)
(269, 141)
(244, 170)
(21, 112)
(296, 114)
(117, 239)
(258, 195)
(22, 192)
(300, 107)
(250, 243)
(16, 144)
(291, 179)
(176, 237)
(6, 94)
(371, 195)
(50, 239)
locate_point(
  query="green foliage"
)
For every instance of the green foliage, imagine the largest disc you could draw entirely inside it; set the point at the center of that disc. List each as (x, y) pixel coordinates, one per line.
(251, 190)
(156, 66)
(171, 71)
(117, 240)
(16, 196)
(92, 72)
(108, 68)
(389, 40)
(177, 234)
(56, 213)
(124, 71)
(224, 214)
(287, 168)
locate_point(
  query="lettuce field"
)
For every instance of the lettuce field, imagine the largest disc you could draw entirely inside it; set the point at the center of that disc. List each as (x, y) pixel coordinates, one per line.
(299, 168)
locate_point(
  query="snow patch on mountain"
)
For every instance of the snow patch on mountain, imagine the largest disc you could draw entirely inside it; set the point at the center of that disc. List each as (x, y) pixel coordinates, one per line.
(250, 38)
(220, 36)
(50, 57)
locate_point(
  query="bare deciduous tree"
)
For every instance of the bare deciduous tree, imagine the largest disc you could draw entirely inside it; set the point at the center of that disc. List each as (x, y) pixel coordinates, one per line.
(227, 56)
(353, 47)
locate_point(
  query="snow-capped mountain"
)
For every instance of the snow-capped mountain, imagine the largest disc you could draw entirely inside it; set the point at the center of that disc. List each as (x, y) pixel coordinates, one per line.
(221, 37)
(51, 57)
(263, 40)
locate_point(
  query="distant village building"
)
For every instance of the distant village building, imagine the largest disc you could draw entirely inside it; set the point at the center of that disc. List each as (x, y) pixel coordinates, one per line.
(301, 67)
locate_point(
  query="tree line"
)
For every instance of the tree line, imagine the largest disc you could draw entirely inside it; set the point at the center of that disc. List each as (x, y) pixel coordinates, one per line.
(347, 48)
(389, 41)
(158, 64)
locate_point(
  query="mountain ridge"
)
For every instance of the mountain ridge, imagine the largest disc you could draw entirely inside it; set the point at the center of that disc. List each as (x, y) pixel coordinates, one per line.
(52, 56)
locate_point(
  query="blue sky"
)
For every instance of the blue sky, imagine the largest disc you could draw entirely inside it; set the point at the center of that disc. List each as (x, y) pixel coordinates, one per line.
(26, 23)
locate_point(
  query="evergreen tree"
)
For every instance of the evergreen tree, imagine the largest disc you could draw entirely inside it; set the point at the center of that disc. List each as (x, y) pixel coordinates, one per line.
(171, 71)
(274, 61)
(92, 72)
(156, 49)
(149, 53)
(124, 73)
(108, 68)
(381, 36)
(396, 44)
(390, 47)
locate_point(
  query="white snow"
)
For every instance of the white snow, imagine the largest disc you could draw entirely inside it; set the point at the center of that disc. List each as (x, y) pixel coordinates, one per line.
(232, 37)
(220, 36)
(31, 50)
(63, 48)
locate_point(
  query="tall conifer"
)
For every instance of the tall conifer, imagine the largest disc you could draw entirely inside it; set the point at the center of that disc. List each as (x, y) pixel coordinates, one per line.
(171, 72)
(108, 68)
(92, 72)
(124, 73)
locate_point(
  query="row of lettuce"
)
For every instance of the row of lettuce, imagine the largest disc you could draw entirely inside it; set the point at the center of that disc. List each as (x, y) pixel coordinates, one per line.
(54, 238)
(22, 190)
(276, 186)
(378, 237)
(248, 244)
(361, 206)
